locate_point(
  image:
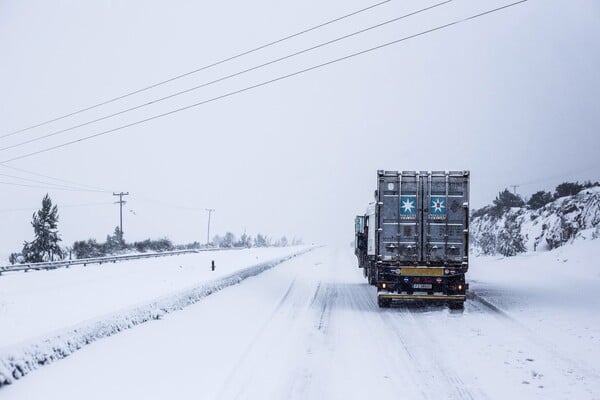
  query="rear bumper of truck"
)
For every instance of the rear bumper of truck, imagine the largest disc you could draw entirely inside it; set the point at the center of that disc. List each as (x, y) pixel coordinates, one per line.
(439, 297)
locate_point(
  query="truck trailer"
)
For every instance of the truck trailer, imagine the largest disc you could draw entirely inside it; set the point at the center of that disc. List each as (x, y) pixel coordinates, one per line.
(413, 241)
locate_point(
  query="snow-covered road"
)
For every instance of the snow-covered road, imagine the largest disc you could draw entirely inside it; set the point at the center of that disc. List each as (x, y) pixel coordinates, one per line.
(311, 329)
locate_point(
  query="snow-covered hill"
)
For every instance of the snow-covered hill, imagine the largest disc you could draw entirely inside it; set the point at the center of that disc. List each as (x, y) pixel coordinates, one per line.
(564, 220)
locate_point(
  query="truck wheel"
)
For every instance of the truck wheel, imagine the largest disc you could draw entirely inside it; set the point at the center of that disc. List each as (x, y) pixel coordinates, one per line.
(372, 280)
(384, 303)
(456, 305)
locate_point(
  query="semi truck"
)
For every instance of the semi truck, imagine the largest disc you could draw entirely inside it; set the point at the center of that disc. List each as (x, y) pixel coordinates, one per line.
(412, 243)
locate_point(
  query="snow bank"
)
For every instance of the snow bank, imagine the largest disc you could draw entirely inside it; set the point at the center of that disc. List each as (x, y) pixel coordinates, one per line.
(18, 360)
(564, 220)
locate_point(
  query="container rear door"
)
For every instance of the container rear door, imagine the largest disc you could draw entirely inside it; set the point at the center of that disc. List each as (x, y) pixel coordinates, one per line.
(400, 208)
(445, 217)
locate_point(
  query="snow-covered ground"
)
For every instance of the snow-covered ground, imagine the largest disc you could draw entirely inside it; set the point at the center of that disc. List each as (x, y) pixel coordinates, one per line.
(310, 328)
(551, 296)
(36, 303)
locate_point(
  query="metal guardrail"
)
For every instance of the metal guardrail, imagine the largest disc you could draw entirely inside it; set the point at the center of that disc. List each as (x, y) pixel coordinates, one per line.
(98, 260)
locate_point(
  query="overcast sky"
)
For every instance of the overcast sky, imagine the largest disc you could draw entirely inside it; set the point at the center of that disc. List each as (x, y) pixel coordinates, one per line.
(512, 97)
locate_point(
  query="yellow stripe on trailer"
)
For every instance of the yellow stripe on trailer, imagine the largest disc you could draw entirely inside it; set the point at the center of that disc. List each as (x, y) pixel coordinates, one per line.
(396, 296)
(421, 271)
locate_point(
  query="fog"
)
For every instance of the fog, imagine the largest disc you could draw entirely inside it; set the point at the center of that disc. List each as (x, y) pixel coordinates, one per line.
(511, 96)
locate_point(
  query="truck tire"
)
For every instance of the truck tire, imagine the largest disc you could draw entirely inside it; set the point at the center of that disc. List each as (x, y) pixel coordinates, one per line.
(456, 305)
(384, 303)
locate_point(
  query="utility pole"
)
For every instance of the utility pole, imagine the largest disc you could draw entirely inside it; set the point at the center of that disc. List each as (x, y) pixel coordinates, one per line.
(120, 203)
(210, 211)
(514, 188)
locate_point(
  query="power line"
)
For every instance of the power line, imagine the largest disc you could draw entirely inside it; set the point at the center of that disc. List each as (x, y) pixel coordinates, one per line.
(245, 71)
(47, 183)
(196, 70)
(47, 187)
(54, 178)
(61, 206)
(268, 82)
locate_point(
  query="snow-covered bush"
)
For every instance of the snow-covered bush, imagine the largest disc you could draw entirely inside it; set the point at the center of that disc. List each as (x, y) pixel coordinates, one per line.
(510, 241)
(519, 229)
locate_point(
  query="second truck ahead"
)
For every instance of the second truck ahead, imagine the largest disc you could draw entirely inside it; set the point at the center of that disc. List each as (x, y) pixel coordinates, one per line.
(413, 241)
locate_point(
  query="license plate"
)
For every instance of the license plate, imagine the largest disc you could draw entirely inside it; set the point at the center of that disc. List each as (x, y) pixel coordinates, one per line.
(422, 271)
(422, 285)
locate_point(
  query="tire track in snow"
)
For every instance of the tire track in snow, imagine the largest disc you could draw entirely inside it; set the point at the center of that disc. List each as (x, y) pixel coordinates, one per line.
(326, 305)
(299, 387)
(461, 390)
(314, 298)
(320, 306)
(295, 315)
(291, 307)
(323, 302)
(427, 365)
(227, 382)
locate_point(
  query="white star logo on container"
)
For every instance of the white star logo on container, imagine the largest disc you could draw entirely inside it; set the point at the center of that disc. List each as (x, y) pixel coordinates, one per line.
(438, 206)
(407, 206)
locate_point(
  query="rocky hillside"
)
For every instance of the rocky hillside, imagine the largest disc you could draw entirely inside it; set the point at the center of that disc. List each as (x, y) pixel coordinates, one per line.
(520, 229)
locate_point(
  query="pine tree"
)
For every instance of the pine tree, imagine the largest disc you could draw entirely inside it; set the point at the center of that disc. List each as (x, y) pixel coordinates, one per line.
(228, 240)
(114, 242)
(260, 241)
(539, 199)
(244, 241)
(567, 189)
(507, 199)
(216, 241)
(118, 237)
(45, 246)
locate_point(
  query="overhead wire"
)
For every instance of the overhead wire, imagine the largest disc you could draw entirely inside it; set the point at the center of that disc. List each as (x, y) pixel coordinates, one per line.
(142, 198)
(270, 81)
(49, 183)
(59, 206)
(54, 178)
(205, 67)
(48, 187)
(224, 78)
